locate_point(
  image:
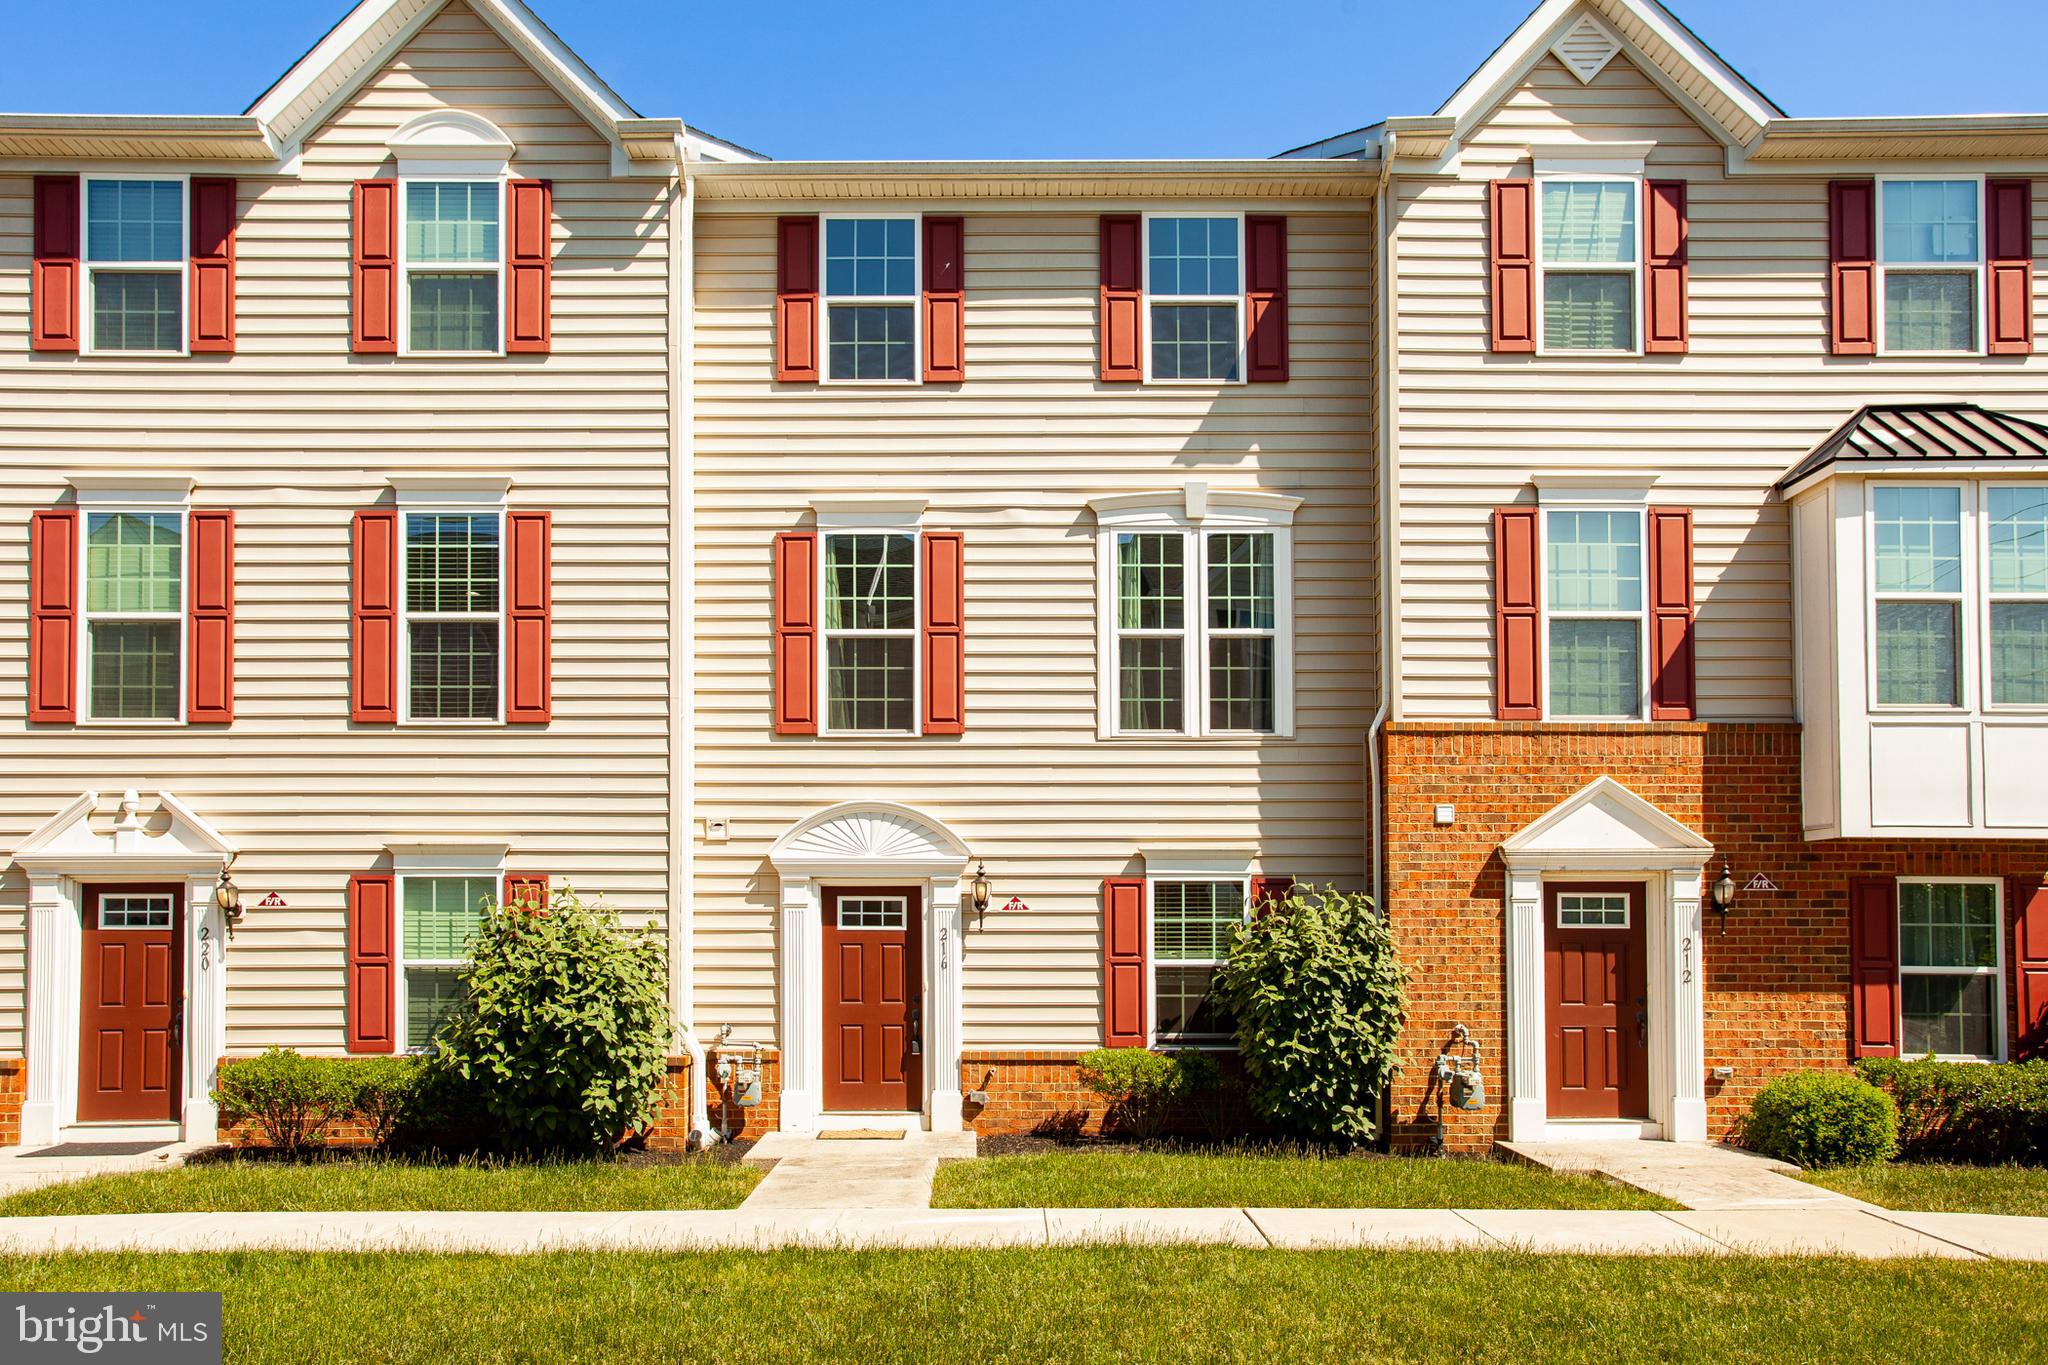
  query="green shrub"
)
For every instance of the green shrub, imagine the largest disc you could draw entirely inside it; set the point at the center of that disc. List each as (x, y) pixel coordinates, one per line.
(1145, 1088)
(564, 1031)
(1817, 1119)
(1318, 993)
(290, 1098)
(386, 1092)
(1990, 1114)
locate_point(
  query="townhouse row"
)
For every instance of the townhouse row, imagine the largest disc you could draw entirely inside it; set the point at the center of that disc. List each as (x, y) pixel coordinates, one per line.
(948, 597)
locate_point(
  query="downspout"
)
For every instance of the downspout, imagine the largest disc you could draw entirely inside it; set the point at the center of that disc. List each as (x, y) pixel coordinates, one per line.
(1384, 515)
(682, 645)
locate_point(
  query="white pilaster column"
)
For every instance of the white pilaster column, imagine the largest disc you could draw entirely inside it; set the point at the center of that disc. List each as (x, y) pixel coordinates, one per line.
(1528, 1108)
(942, 1006)
(1686, 1019)
(802, 1026)
(206, 1008)
(52, 1051)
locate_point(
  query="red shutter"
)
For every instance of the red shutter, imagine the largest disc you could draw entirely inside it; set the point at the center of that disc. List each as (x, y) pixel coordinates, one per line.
(1667, 273)
(1852, 267)
(1874, 967)
(373, 606)
(213, 265)
(1123, 962)
(945, 300)
(796, 298)
(2009, 253)
(210, 613)
(1123, 284)
(945, 633)
(526, 888)
(372, 972)
(1513, 204)
(796, 633)
(53, 570)
(530, 268)
(373, 319)
(2030, 967)
(54, 281)
(529, 618)
(1517, 606)
(1671, 606)
(1268, 892)
(1265, 277)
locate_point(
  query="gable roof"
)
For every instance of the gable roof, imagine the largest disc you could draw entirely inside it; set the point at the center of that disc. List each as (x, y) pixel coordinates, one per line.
(1895, 435)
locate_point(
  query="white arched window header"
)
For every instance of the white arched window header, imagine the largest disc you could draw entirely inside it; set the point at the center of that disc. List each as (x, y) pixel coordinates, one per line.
(450, 142)
(1196, 504)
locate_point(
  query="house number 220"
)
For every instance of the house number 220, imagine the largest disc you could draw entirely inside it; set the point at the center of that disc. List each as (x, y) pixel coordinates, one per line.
(205, 949)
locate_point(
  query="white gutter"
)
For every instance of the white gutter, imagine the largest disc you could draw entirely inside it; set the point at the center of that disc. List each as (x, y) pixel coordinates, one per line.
(1382, 408)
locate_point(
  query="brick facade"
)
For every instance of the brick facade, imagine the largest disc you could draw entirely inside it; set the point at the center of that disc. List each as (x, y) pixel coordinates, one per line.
(1776, 986)
(13, 1093)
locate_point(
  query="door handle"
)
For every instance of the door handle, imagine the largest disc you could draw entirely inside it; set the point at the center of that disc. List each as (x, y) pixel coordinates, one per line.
(916, 1033)
(1643, 1027)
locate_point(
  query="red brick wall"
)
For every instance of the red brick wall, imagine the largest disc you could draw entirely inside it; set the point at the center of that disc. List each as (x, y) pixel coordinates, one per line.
(13, 1092)
(1027, 1091)
(1777, 986)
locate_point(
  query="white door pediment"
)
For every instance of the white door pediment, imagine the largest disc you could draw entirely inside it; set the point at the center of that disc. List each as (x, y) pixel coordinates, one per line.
(1605, 825)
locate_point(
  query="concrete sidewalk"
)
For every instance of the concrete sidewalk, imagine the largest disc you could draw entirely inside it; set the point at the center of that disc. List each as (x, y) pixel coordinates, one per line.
(29, 1168)
(852, 1173)
(1699, 1175)
(1853, 1232)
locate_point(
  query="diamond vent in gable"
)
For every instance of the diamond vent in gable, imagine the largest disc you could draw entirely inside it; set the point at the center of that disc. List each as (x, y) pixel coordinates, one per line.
(1585, 48)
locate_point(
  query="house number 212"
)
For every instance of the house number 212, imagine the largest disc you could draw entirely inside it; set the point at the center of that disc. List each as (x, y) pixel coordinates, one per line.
(1685, 961)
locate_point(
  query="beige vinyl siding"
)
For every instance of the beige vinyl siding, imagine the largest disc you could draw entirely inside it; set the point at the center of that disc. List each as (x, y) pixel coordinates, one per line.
(295, 434)
(1719, 425)
(1011, 457)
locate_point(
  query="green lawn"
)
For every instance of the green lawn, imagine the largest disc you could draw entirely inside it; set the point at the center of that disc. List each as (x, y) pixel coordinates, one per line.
(1935, 1188)
(1104, 1303)
(1107, 1179)
(393, 1184)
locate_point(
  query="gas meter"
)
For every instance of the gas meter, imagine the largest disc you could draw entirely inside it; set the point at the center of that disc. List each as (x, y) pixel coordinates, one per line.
(1457, 1070)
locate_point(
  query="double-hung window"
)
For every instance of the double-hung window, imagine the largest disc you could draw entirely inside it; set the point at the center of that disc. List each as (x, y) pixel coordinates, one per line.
(1917, 581)
(2016, 586)
(438, 917)
(871, 628)
(1931, 263)
(870, 299)
(1593, 599)
(1951, 996)
(134, 614)
(1194, 298)
(135, 264)
(453, 258)
(453, 575)
(1192, 922)
(1589, 262)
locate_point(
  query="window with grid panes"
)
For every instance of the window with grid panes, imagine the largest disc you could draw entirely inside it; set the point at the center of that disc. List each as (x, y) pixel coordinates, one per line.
(2016, 582)
(871, 622)
(1929, 252)
(439, 917)
(134, 614)
(135, 262)
(453, 627)
(1948, 969)
(1194, 297)
(1243, 626)
(870, 299)
(1594, 604)
(1917, 575)
(1192, 922)
(1588, 252)
(1151, 622)
(453, 257)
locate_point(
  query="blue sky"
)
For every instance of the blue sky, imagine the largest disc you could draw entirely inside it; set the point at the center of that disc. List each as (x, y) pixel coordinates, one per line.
(1052, 78)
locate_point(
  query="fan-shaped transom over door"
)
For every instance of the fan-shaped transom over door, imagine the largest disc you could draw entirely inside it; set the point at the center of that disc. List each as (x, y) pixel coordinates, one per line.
(130, 1005)
(873, 985)
(1595, 992)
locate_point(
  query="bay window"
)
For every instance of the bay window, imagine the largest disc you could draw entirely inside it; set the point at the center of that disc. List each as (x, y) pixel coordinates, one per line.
(1951, 999)
(1194, 298)
(1192, 922)
(1589, 264)
(453, 260)
(1930, 263)
(134, 614)
(1917, 579)
(871, 299)
(453, 638)
(2016, 584)
(871, 632)
(1593, 603)
(135, 265)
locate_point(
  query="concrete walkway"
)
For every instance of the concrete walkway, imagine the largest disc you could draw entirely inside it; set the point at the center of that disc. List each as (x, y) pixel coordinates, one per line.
(852, 1173)
(29, 1168)
(1851, 1232)
(1699, 1175)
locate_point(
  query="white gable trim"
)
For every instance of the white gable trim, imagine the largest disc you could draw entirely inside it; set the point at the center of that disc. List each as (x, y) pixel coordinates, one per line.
(1605, 825)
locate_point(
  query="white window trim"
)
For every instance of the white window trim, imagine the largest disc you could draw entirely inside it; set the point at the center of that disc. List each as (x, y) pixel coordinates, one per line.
(1633, 268)
(1194, 512)
(406, 265)
(402, 992)
(450, 505)
(170, 904)
(914, 300)
(1239, 301)
(1976, 270)
(1987, 598)
(1996, 971)
(88, 342)
(140, 504)
(1967, 676)
(1627, 909)
(1641, 616)
(890, 527)
(1154, 1037)
(839, 924)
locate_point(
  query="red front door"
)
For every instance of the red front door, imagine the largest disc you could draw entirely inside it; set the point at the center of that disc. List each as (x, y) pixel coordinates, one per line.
(873, 1050)
(1594, 979)
(129, 1023)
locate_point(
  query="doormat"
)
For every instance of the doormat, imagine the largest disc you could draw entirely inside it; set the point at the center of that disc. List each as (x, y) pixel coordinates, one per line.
(95, 1149)
(862, 1135)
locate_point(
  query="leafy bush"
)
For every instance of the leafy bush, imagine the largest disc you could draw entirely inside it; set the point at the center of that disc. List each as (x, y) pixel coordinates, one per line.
(1817, 1119)
(290, 1098)
(1967, 1111)
(565, 1028)
(1318, 993)
(1144, 1088)
(386, 1091)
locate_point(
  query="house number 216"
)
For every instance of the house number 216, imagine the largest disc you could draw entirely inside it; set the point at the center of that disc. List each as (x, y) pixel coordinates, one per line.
(943, 932)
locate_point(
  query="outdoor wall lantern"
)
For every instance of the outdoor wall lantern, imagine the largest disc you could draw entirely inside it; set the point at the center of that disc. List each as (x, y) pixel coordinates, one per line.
(228, 897)
(981, 888)
(1724, 895)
